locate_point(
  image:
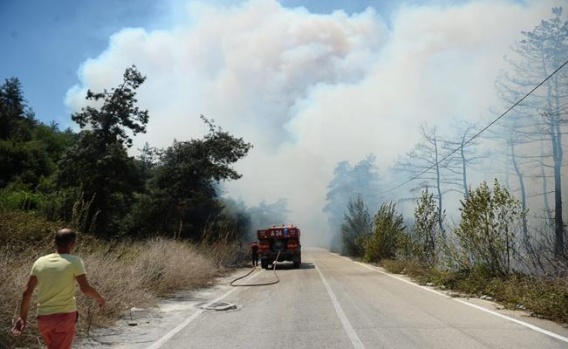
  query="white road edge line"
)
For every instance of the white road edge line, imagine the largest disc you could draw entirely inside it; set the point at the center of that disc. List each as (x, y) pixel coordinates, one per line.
(355, 341)
(178, 328)
(522, 323)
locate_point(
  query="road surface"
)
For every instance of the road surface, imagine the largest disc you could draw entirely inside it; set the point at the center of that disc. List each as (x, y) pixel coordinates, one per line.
(333, 302)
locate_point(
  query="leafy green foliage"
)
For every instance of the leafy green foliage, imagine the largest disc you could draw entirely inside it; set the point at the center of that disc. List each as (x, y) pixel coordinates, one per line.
(19, 230)
(388, 231)
(356, 228)
(490, 220)
(14, 199)
(426, 233)
(91, 182)
(183, 195)
(26, 151)
(99, 164)
(15, 120)
(117, 115)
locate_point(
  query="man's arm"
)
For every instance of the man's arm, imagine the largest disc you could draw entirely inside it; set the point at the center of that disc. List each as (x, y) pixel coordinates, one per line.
(88, 290)
(20, 324)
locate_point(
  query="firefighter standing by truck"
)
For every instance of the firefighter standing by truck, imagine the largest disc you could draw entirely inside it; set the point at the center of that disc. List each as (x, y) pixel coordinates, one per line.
(254, 253)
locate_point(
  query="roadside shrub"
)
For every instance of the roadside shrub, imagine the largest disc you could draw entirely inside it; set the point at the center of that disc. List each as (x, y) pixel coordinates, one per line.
(387, 232)
(182, 267)
(20, 230)
(417, 271)
(225, 254)
(23, 200)
(426, 235)
(356, 228)
(545, 297)
(486, 234)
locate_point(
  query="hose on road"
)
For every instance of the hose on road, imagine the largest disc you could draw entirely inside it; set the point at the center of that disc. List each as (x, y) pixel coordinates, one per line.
(262, 283)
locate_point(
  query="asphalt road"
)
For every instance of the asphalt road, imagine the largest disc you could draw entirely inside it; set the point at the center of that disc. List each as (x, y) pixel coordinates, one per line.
(333, 302)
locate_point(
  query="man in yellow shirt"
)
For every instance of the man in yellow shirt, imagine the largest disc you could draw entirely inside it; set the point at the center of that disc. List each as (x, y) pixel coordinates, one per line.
(55, 275)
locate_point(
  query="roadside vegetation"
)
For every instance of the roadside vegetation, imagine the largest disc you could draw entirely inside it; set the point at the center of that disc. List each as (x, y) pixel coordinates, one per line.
(480, 257)
(130, 274)
(475, 209)
(158, 222)
(150, 225)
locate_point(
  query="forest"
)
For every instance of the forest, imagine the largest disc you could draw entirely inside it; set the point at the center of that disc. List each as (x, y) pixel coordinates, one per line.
(172, 192)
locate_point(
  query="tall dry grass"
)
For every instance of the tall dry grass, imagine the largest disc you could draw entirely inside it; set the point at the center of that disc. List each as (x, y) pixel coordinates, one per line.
(127, 274)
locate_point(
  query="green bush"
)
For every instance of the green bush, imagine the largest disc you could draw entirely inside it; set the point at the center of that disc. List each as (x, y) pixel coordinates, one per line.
(23, 229)
(356, 228)
(426, 234)
(487, 231)
(387, 233)
(22, 200)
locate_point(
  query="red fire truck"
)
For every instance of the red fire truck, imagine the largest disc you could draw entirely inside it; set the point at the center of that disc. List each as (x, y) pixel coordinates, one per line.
(279, 243)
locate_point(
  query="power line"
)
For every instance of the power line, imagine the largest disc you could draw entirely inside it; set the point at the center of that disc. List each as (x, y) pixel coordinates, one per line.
(478, 133)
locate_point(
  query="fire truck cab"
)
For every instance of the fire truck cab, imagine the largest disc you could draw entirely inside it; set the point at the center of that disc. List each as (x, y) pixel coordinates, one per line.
(278, 244)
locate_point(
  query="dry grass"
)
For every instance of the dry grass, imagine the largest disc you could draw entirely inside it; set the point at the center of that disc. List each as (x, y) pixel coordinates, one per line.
(226, 254)
(545, 297)
(127, 274)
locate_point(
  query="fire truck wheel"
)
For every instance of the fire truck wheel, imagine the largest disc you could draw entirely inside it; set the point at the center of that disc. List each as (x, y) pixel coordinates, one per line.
(297, 263)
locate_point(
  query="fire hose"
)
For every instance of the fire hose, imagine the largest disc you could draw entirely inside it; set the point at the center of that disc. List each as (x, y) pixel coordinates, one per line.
(258, 284)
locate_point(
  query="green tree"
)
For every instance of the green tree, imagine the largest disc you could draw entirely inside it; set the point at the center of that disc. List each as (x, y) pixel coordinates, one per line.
(118, 114)
(490, 220)
(183, 196)
(16, 119)
(426, 233)
(99, 163)
(348, 183)
(356, 228)
(28, 149)
(388, 230)
(13, 131)
(233, 222)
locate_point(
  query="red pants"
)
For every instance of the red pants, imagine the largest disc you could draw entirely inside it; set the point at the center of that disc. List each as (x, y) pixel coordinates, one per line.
(58, 330)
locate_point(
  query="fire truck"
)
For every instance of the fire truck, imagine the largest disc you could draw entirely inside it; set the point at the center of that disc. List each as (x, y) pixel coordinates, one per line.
(278, 244)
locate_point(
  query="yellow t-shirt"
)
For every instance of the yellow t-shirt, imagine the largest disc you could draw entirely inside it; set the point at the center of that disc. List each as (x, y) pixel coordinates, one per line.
(56, 282)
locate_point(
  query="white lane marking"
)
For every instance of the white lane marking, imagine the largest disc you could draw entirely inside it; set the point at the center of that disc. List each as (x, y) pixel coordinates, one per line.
(355, 341)
(400, 279)
(522, 323)
(532, 327)
(178, 328)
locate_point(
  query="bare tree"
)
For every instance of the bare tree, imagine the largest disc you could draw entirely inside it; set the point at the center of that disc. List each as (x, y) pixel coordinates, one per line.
(428, 162)
(537, 56)
(463, 153)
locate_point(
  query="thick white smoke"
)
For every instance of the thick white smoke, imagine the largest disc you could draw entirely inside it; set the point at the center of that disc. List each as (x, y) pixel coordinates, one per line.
(310, 90)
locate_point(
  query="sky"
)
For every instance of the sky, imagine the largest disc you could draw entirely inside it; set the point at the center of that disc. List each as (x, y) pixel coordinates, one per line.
(308, 83)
